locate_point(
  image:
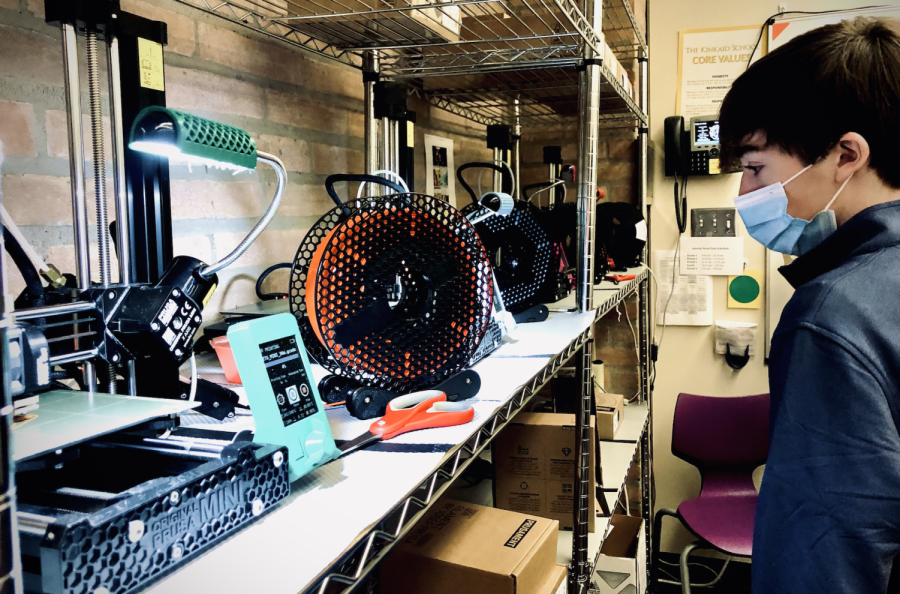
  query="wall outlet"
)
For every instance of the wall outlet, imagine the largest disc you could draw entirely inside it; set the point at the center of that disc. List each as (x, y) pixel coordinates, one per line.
(713, 222)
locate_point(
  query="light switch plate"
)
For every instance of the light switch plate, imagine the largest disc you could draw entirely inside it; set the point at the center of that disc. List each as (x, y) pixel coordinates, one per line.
(713, 222)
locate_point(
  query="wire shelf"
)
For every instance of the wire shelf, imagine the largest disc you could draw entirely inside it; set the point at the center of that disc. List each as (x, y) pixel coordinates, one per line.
(490, 46)
(261, 15)
(526, 31)
(532, 97)
(620, 27)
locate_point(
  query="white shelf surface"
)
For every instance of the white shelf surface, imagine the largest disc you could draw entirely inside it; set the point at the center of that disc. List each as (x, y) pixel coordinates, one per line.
(632, 427)
(605, 292)
(340, 502)
(615, 459)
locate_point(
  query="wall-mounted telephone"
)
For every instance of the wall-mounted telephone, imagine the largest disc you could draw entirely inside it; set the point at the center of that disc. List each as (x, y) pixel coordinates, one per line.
(694, 151)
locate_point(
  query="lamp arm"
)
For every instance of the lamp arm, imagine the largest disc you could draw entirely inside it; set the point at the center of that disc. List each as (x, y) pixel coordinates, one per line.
(278, 166)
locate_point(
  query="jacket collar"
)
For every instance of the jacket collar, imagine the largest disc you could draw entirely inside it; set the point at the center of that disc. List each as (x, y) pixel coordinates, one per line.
(870, 230)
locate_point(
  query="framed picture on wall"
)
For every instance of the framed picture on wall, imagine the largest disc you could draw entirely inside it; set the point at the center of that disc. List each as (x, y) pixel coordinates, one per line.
(440, 172)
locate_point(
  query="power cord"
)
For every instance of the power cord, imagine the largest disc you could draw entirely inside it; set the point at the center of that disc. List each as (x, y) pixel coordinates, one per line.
(662, 334)
(681, 204)
(671, 579)
(636, 349)
(771, 21)
(654, 347)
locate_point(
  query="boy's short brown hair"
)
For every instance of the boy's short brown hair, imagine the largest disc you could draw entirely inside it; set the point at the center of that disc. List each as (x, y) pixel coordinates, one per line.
(819, 86)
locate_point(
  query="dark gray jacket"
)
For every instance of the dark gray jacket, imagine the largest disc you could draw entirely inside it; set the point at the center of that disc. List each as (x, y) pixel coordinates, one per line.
(828, 518)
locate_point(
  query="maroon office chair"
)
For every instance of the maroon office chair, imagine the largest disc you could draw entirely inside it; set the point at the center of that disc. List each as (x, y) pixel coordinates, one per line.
(726, 439)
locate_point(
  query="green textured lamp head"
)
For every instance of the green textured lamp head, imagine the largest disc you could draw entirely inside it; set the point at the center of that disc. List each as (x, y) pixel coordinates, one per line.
(169, 133)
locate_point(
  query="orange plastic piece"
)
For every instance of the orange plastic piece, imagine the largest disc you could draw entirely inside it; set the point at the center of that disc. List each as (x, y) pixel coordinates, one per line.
(226, 358)
(311, 287)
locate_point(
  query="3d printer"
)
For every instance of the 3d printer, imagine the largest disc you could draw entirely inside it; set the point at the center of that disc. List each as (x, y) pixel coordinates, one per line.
(111, 493)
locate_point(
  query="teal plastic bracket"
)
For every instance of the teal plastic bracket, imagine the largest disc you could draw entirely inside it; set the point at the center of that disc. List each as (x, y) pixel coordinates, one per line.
(281, 391)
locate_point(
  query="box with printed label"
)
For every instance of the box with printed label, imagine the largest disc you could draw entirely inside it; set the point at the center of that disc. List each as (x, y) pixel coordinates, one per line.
(534, 466)
(622, 565)
(463, 547)
(610, 413)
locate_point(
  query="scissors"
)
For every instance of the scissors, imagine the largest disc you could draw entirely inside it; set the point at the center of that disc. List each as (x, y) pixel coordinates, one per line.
(419, 410)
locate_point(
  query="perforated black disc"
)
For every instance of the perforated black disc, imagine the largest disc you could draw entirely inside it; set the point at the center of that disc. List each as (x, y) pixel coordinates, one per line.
(401, 291)
(519, 251)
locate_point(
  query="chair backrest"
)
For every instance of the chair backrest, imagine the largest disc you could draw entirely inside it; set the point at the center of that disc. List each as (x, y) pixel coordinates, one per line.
(721, 433)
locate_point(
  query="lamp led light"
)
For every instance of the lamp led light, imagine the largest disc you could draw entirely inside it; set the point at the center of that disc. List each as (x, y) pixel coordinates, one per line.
(171, 133)
(164, 149)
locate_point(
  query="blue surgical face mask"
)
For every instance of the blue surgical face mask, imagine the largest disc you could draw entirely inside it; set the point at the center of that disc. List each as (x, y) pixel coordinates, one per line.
(764, 213)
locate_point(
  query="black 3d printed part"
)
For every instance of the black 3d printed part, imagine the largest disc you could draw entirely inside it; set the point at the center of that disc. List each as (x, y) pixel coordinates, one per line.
(394, 292)
(519, 250)
(107, 535)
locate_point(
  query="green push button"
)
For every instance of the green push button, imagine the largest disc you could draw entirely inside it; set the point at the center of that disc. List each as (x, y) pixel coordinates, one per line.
(744, 289)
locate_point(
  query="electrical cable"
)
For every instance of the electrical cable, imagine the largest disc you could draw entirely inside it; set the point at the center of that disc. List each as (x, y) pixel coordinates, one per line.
(32, 254)
(193, 394)
(681, 204)
(676, 581)
(512, 176)
(357, 177)
(637, 351)
(244, 245)
(24, 264)
(653, 332)
(546, 188)
(265, 274)
(662, 334)
(492, 165)
(680, 219)
(382, 172)
(771, 20)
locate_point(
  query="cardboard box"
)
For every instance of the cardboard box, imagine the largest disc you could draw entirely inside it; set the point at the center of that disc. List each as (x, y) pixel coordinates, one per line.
(442, 22)
(430, 22)
(557, 583)
(622, 566)
(534, 463)
(463, 547)
(610, 413)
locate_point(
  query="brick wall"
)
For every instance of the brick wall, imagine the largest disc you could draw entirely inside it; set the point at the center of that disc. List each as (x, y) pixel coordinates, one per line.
(303, 108)
(616, 175)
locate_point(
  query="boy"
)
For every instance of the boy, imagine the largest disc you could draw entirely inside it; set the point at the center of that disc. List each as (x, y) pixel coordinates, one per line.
(816, 127)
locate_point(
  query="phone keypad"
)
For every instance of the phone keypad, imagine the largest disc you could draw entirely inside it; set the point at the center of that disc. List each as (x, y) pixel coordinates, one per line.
(704, 162)
(699, 164)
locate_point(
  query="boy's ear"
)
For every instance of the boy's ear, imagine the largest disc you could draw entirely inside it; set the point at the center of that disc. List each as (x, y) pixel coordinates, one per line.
(853, 155)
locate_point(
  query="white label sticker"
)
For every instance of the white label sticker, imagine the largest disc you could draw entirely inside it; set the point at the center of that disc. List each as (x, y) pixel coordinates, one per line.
(43, 367)
(168, 310)
(169, 336)
(640, 230)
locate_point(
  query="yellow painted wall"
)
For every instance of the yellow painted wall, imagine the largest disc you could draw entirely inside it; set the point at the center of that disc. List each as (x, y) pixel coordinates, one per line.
(687, 362)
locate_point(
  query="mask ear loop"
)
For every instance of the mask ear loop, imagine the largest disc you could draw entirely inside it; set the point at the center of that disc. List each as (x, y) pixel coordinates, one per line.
(796, 175)
(841, 189)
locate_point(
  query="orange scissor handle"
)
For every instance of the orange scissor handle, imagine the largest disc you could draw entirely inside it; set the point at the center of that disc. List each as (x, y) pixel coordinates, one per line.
(421, 410)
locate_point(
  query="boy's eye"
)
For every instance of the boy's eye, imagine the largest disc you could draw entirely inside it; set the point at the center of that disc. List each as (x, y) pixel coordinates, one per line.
(754, 168)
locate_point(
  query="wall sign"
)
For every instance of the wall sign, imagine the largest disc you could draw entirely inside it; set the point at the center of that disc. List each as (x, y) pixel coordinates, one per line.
(440, 173)
(709, 60)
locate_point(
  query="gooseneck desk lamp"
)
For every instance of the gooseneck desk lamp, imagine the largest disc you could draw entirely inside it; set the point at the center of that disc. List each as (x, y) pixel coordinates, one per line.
(187, 282)
(169, 133)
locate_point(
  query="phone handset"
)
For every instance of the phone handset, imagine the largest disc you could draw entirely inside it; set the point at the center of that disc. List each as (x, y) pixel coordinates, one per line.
(677, 163)
(676, 146)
